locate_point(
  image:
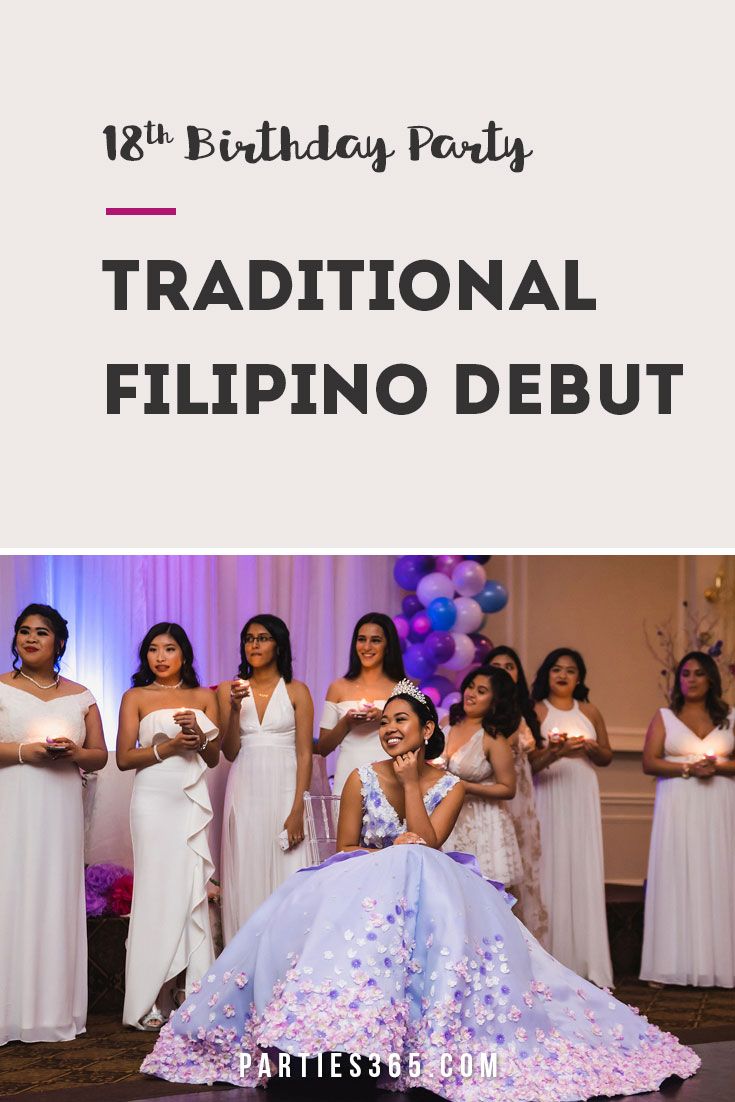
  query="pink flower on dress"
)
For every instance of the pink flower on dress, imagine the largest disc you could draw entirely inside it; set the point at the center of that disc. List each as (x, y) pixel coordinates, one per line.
(229, 1010)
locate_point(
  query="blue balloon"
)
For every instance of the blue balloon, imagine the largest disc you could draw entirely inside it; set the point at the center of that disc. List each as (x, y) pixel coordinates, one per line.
(492, 597)
(411, 605)
(442, 613)
(417, 663)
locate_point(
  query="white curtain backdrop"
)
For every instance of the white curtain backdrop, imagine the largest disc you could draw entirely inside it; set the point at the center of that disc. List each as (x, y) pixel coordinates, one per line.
(111, 601)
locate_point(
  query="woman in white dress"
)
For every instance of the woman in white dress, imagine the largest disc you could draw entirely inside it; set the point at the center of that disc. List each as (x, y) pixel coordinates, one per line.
(477, 750)
(689, 926)
(354, 703)
(168, 734)
(575, 742)
(50, 729)
(267, 720)
(530, 908)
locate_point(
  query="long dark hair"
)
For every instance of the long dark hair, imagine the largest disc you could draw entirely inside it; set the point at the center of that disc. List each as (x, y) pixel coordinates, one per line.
(717, 708)
(524, 697)
(540, 687)
(503, 717)
(392, 660)
(57, 625)
(144, 675)
(275, 626)
(426, 712)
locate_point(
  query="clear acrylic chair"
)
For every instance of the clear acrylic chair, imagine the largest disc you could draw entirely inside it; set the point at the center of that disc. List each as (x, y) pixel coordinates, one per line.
(320, 826)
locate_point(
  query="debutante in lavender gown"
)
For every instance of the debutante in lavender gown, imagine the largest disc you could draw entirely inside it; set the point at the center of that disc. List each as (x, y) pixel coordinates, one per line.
(409, 950)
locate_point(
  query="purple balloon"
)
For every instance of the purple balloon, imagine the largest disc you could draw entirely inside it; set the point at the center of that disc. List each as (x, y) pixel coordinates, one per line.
(442, 685)
(492, 597)
(409, 570)
(439, 645)
(402, 626)
(402, 643)
(445, 564)
(450, 699)
(417, 663)
(483, 646)
(469, 614)
(433, 694)
(464, 652)
(420, 627)
(432, 586)
(479, 558)
(469, 578)
(442, 613)
(411, 605)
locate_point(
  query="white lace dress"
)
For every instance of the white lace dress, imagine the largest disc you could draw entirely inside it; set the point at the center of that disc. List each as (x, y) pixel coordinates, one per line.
(689, 925)
(43, 922)
(484, 827)
(170, 813)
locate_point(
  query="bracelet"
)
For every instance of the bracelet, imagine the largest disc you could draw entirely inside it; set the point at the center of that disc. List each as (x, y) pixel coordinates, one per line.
(156, 755)
(685, 771)
(20, 755)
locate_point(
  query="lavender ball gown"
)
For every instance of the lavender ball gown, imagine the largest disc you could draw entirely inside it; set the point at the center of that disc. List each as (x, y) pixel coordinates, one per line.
(410, 950)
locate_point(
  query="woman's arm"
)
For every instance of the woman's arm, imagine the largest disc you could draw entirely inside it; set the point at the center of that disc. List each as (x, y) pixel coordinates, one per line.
(434, 829)
(331, 737)
(230, 695)
(304, 711)
(600, 752)
(654, 763)
(500, 755)
(210, 753)
(130, 756)
(92, 755)
(349, 827)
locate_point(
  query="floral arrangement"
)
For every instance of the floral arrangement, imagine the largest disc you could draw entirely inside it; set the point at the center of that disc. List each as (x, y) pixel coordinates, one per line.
(108, 889)
(700, 633)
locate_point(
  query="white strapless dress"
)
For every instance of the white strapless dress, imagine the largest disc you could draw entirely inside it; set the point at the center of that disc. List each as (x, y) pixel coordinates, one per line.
(170, 812)
(360, 746)
(261, 786)
(572, 866)
(689, 925)
(43, 921)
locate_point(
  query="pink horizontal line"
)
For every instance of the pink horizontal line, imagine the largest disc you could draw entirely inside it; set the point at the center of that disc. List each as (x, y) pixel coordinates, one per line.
(140, 210)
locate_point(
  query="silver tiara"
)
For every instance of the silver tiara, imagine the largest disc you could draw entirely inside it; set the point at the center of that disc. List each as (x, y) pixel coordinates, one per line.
(407, 688)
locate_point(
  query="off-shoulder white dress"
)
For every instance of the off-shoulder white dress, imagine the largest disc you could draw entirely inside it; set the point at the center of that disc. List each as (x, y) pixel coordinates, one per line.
(43, 926)
(360, 746)
(170, 813)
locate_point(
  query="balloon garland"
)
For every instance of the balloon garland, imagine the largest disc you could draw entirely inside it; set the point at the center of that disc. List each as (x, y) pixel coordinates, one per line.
(439, 625)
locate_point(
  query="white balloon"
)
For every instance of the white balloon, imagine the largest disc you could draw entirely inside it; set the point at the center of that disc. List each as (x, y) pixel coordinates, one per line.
(464, 652)
(469, 615)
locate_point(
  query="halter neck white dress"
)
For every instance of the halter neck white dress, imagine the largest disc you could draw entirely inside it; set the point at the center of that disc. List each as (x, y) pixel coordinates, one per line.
(689, 925)
(260, 792)
(360, 746)
(170, 813)
(43, 922)
(484, 827)
(572, 867)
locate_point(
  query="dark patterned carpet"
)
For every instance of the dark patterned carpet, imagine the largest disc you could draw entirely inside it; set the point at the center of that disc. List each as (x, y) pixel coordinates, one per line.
(109, 1054)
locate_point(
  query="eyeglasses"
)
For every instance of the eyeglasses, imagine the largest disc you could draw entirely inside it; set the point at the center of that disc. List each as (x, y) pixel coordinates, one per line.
(250, 639)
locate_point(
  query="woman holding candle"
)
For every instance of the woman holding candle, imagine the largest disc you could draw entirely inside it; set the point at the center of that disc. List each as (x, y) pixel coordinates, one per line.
(575, 742)
(267, 720)
(354, 702)
(168, 734)
(530, 907)
(477, 751)
(689, 926)
(50, 729)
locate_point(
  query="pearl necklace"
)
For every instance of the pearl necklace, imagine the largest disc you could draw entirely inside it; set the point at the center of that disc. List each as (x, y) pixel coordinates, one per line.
(158, 685)
(54, 684)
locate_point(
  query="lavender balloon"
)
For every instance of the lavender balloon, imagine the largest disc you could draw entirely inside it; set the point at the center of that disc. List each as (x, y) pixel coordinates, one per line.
(464, 652)
(402, 626)
(469, 614)
(450, 699)
(432, 586)
(469, 578)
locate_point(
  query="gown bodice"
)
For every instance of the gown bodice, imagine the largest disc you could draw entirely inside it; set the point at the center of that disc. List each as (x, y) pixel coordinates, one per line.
(159, 726)
(681, 743)
(380, 823)
(469, 762)
(26, 718)
(278, 725)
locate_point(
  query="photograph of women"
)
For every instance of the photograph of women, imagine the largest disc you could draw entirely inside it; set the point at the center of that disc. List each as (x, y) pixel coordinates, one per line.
(455, 823)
